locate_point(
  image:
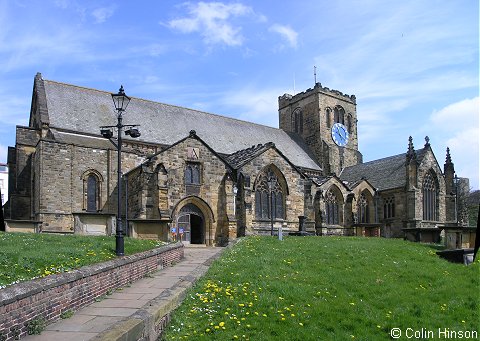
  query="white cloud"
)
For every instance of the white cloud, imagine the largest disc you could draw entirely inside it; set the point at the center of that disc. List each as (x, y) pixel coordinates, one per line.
(457, 115)
(286, 32)
(457, 126)
(103, 13)
(211, 20)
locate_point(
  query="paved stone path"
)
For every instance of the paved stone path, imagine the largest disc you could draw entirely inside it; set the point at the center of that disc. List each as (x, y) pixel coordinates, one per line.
(99, 317)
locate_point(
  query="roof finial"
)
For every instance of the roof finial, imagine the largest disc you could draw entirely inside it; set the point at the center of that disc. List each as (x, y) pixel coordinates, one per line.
(427, 141)
(411, 154)
(449, 158)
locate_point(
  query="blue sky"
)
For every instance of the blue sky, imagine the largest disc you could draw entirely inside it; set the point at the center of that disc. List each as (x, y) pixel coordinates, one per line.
(413, 65)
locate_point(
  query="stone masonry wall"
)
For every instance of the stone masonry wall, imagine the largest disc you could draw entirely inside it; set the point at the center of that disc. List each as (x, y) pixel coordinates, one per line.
(49, 297)
(20, 173)
(61, 170)
(295, 200)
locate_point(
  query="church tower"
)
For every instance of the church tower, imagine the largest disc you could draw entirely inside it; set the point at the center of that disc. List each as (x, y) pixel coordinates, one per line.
(327, 121)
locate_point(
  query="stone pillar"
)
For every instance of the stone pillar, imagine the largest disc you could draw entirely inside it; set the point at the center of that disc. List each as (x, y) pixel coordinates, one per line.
(451, 191)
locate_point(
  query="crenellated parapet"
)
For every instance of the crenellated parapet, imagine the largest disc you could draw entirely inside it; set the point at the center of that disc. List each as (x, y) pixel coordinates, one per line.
(287, 99)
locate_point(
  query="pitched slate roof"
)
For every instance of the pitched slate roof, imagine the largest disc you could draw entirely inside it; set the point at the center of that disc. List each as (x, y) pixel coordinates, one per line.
(383, 174)
(84, 110)
(243, 156)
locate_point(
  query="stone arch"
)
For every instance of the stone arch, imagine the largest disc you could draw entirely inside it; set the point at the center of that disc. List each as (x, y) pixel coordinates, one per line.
(349, 123)
(328, 116)
(204, 211)
(339, 114)
(297, 120)
(265, 203)
(430, 196)
(278, 173)
(365, 207)
(92, 190)
(334, 206)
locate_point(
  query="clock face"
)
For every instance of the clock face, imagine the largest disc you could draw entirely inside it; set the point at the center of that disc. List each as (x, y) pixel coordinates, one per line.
(340, 134)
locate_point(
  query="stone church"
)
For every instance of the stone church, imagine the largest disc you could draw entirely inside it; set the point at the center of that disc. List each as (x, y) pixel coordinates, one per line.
(216, 178)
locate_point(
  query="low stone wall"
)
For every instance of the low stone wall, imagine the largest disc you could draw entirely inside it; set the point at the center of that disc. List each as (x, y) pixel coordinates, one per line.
(47, 298)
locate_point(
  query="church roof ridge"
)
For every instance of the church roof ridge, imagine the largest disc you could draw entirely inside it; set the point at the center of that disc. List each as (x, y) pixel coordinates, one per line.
(76, 86)
(162, 103)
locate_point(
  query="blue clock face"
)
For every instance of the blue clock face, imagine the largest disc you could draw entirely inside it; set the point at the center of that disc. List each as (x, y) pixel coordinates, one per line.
(340, 134)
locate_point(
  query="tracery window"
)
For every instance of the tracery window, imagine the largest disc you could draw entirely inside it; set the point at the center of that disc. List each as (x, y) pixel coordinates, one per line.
(362, 209)
(297, 120)
(430, 198)
(389, 207)
(331, 208)
(192, 173)
(263, 202)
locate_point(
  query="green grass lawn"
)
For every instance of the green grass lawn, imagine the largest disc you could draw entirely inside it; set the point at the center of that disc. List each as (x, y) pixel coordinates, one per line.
(328, 288)
(24, 256)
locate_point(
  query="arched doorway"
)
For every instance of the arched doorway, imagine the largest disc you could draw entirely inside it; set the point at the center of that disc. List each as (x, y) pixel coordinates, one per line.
(191, 220)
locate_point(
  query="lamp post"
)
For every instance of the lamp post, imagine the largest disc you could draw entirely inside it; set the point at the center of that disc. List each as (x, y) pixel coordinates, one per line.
(120, 101)
(271, 184)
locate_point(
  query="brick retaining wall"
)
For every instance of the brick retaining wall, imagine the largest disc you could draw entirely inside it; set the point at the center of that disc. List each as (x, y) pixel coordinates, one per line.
(50, 296)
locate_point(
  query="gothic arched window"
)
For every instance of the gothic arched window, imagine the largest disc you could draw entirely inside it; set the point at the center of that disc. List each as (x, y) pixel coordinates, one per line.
(328, 118)
(430, 198)
(349, 123)
(389, 207)
(92, 193)
(297, 120)
(192, 173)
(264, 204)
(92, 188)
(339, 114)
(331, 208)
(362, 210)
